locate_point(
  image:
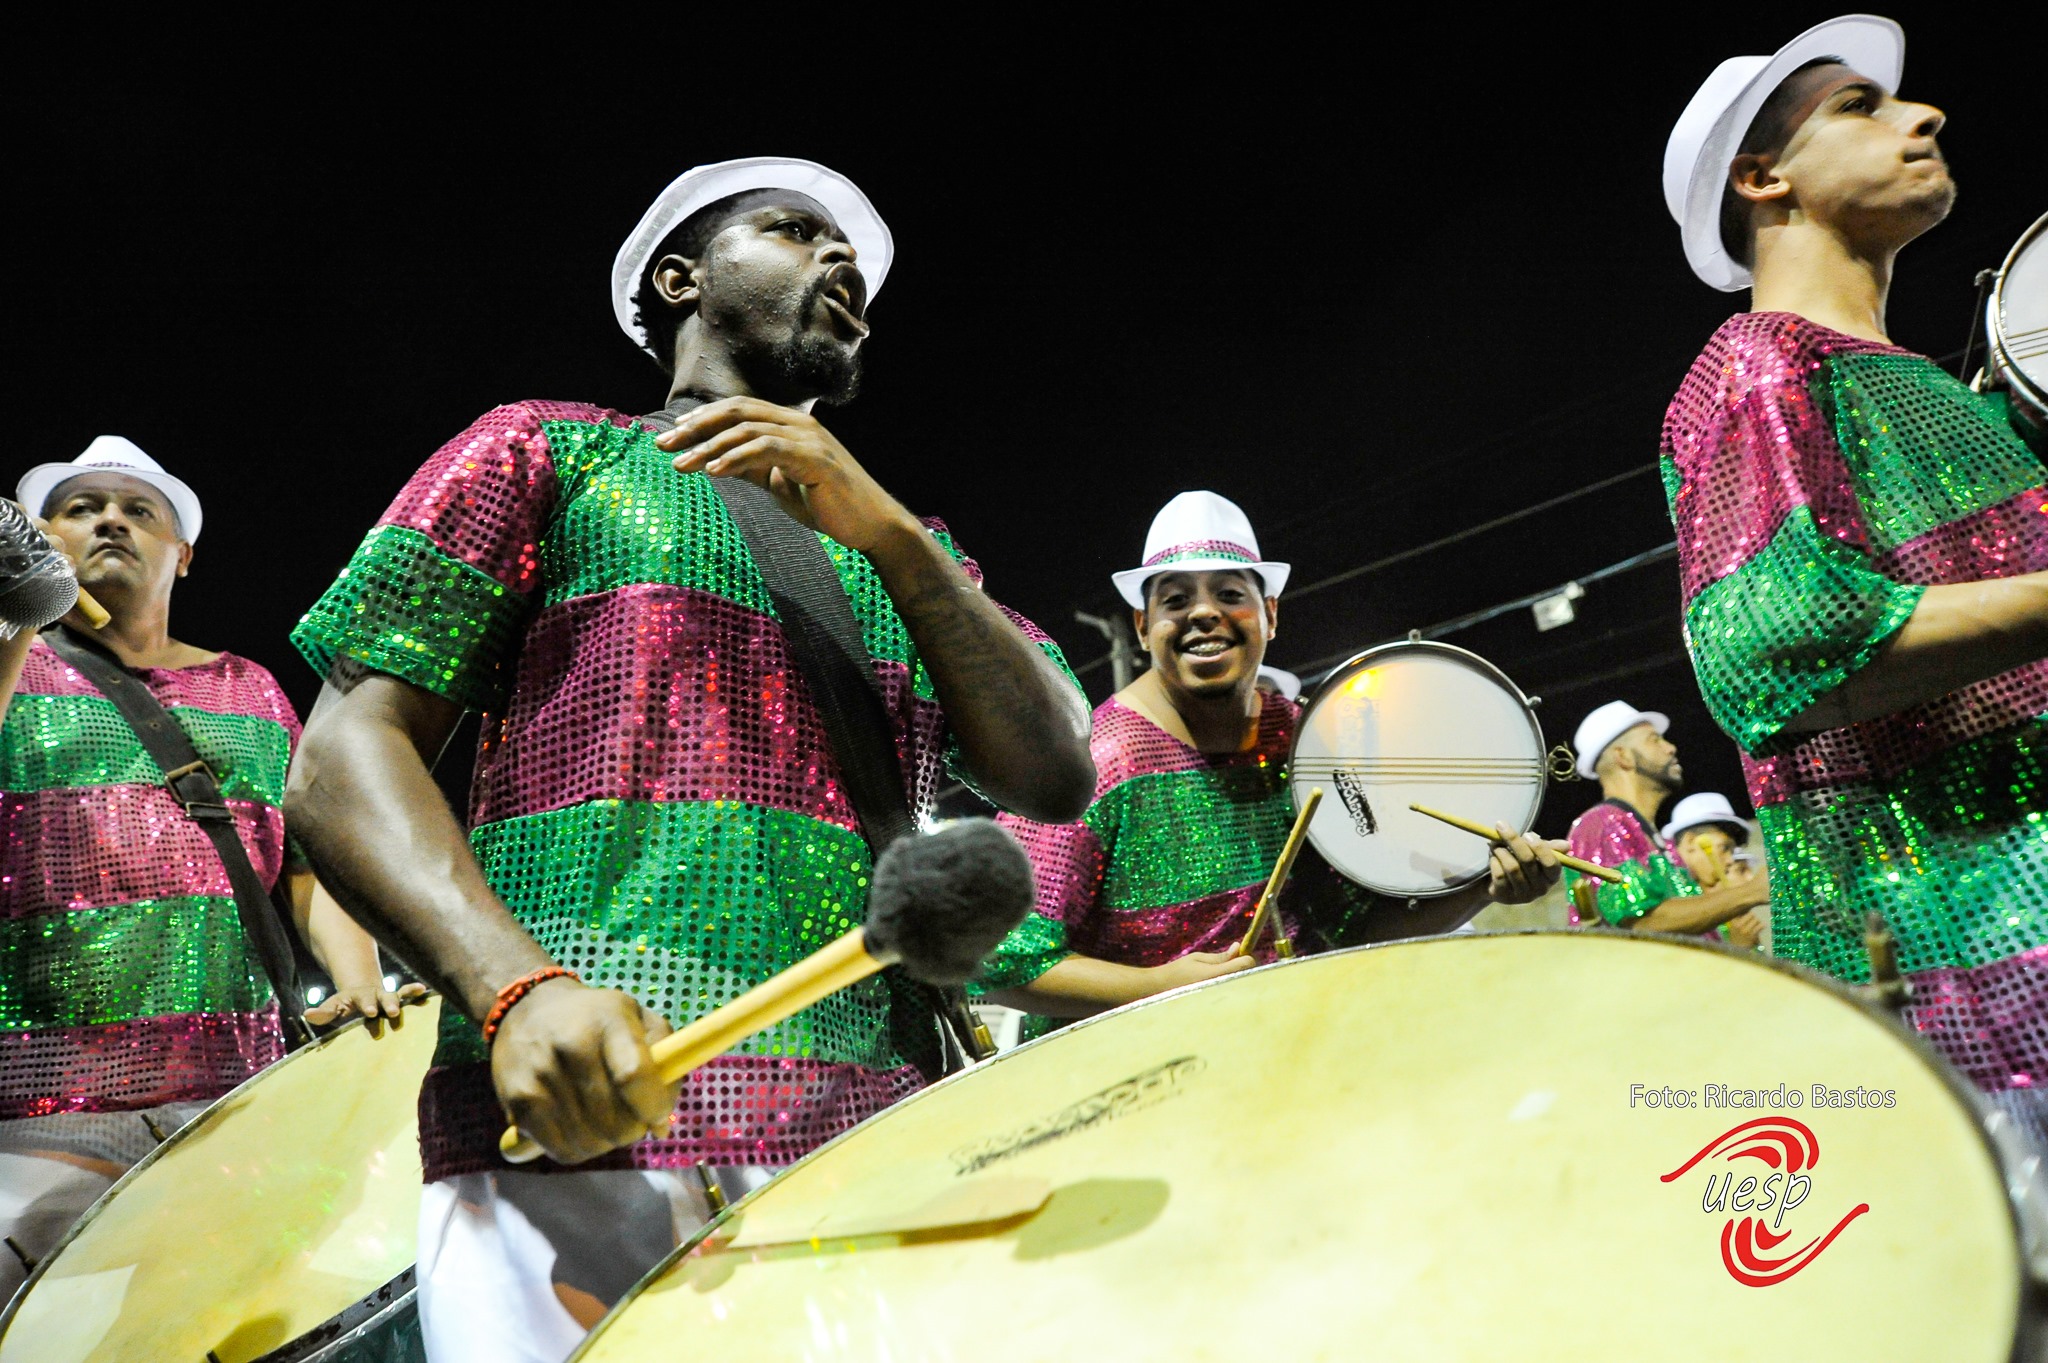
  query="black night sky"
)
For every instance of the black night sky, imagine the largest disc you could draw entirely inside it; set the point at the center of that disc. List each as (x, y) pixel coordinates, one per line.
(1377, 297)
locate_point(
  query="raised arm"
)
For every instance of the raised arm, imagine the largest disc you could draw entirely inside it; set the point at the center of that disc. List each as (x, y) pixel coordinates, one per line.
(570, 1063)
(1022, 727)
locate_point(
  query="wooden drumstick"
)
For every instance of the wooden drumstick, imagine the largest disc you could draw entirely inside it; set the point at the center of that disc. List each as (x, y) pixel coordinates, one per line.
(95, 614)
(1578, 864)
(1280, 870)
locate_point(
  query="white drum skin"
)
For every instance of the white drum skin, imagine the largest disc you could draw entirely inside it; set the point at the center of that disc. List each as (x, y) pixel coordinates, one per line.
(1422, 723)
(1420, 1152)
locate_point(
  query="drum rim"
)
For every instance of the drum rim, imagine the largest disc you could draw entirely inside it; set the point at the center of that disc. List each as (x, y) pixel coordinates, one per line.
(1994, 313)
(78, 1227)
(2030, 1328)
(1480, 664)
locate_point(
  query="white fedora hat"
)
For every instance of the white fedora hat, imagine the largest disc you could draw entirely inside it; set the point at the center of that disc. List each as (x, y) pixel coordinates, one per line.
(1707, 807)
(1606, 724)
(693, 189)
(122, 456)
(1709, 132)
(1197, 532)
(1288, 684)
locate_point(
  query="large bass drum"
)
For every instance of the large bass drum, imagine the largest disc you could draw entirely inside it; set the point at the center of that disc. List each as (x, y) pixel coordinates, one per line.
(1422, 723)
(280, 1224)
(2016, 322)
(1281, 1165)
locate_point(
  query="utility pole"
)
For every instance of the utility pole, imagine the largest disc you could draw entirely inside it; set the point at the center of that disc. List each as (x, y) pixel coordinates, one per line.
(1123, 654)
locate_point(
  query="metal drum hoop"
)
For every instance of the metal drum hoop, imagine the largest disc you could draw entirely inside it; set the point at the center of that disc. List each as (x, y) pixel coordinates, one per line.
(2001, 357)
(1297, 786)
(357, 1318)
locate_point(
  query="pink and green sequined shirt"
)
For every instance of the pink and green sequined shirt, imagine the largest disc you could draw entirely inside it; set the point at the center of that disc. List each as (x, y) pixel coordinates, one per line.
(126, 981)
(654, 798)
(1169, 858)
(1819, 484)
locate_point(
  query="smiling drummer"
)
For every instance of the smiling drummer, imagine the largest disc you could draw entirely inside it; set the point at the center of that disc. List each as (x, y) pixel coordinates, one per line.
(1154, 886)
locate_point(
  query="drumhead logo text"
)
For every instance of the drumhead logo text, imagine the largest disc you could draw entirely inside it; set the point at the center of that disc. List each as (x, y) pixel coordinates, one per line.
(1787, 1147)
(1119, 1099)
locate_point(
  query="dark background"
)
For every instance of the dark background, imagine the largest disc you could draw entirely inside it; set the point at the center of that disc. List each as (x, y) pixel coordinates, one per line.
(1378, 296)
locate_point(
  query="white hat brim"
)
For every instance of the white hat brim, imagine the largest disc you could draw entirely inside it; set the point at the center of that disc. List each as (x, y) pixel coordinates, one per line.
(1130, 583)
(1589, 762)
(693, 189)
(1869, 44)
(38, 483)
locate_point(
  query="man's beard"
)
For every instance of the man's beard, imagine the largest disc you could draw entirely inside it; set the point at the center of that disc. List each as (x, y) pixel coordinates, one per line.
(803, 364)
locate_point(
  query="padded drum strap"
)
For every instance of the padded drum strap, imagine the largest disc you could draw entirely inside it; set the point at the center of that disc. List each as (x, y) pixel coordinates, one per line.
(197, 790)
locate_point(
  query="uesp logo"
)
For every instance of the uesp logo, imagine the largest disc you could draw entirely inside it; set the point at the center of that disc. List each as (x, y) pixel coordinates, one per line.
(1788, 1148)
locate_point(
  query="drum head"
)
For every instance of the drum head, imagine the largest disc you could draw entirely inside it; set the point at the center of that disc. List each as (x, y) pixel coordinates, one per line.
(2019, 313)
(1286, 1164)
(279, 1207)
(1420, 723)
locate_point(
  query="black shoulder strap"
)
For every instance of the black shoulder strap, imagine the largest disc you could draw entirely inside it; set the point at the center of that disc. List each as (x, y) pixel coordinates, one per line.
(1649, 829)
(826, 644)
(194, 786)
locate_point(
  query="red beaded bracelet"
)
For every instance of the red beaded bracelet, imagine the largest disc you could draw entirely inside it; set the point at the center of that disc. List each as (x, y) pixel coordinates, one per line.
(518, 990)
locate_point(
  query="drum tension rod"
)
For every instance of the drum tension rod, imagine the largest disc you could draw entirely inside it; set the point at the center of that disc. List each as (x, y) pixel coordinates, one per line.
(714, 1196)
(28, 1262)
(154, 1129)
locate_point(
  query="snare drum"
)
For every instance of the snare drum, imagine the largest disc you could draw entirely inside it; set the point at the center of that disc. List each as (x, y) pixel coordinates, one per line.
(1422, 723)
(1283, 1164)
(2016, 321)
(279, 1224)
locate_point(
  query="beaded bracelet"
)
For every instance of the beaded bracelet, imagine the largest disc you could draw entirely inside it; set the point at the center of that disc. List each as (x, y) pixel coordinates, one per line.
(518, 990)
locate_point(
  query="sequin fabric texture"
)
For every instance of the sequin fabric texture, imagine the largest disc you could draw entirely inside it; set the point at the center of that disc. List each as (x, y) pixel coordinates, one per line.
(654, 798)
(1819, 484)
(1170, 857)
(127, 982)
(1615, 838)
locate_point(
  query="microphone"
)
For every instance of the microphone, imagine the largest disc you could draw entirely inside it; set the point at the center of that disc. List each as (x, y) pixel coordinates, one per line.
(937, 904)
(37, 583)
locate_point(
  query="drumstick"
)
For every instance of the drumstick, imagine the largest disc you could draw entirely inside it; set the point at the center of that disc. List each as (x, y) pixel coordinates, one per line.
(95, 614)
(1280, 870)
(938, 903)
(1493, 835)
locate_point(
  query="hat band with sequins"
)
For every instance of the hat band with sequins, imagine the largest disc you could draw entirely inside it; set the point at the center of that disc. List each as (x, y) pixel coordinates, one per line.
(1202, 549)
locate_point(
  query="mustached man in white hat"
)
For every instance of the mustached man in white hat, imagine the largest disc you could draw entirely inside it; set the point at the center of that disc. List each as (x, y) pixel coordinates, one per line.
(659, 821)
(1626, 750)
(1865, 585)
(111, 892)
(1155, 886)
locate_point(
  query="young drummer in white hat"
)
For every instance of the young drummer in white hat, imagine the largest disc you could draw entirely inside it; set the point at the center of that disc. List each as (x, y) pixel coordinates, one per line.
(1154, 887)
(1626, 750)
(1864, 576)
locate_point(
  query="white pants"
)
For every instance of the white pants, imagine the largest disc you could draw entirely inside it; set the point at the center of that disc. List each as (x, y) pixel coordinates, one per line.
(43, 1191)
(516, 1267)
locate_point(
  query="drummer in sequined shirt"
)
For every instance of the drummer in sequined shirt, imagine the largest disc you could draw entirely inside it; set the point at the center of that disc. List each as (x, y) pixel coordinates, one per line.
(1155, 885)
(1863, 565)
(655, 807)
(129, 998)
(1628, 752)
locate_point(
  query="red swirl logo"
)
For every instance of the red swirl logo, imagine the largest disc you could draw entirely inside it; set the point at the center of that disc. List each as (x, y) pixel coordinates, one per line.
(1788, 1148)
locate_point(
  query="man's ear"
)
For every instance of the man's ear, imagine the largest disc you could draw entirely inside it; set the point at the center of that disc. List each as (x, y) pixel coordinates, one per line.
(1272, 617)
(1754, 176)
(1138, 624)
(184, 557)
(675, 279)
